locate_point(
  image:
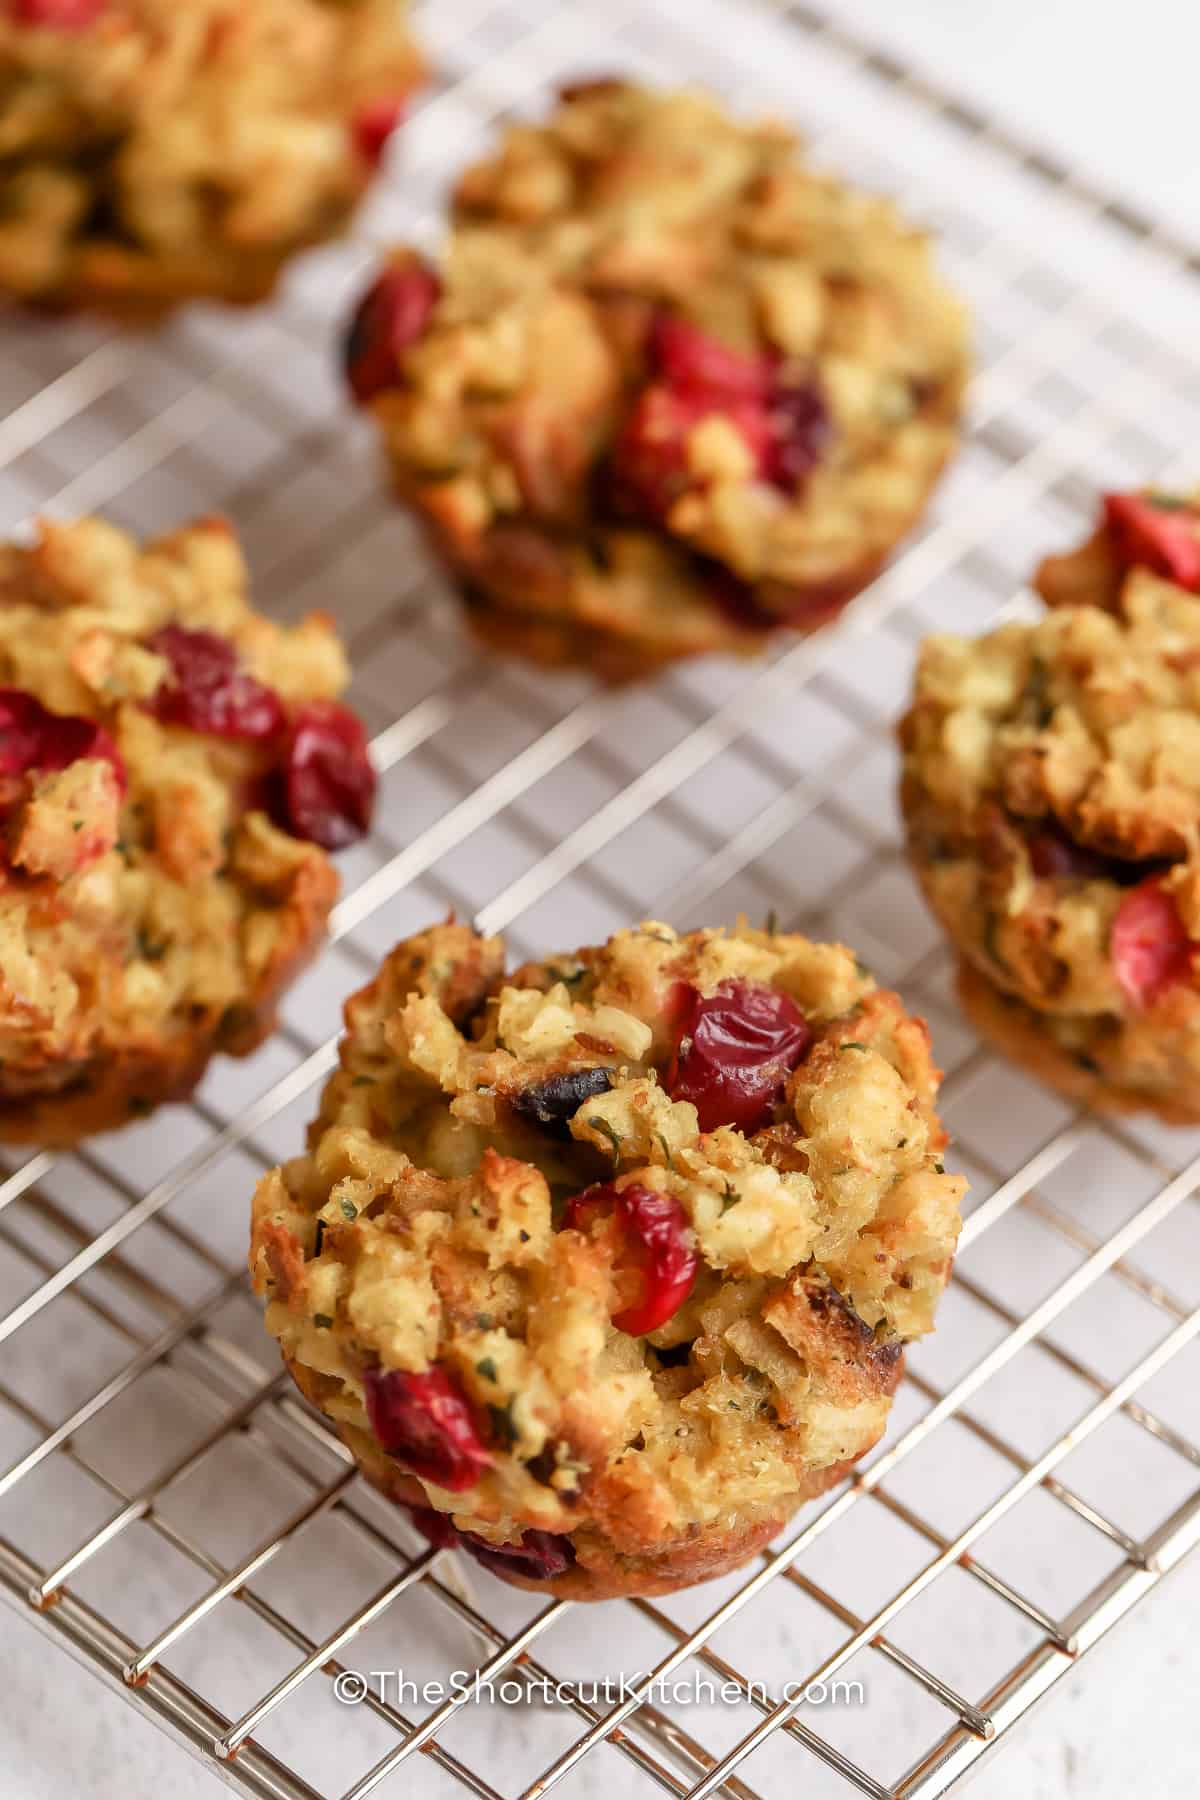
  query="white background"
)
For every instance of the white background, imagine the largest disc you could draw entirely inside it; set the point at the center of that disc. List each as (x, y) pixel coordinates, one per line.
(1112, 89)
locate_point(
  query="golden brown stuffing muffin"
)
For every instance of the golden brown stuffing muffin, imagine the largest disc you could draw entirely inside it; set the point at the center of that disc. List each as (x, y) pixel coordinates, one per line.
(669, 389)
(603, 1267)
(173, 769)
(1051, 789)
(155, 150)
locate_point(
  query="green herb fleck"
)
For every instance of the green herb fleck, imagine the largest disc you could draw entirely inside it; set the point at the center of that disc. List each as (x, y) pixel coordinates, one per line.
(349, 1210)
(150, 949)
(853, 1044)
(606, 1130)
(861, 970)
(940, 1168)
(666, 1149)
(1166, 502)
(486, 1367)
(504, 1427)
(363, 1081)
(729, 1197)
(77, 825)
(322, 1321)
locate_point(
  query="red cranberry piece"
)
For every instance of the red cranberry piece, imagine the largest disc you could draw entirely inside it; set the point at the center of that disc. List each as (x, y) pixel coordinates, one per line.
(650, 457)
(1051, 852)
(687, 357)
(540, 1554)
(1151, 950)
(391, 315)
(1164, 538)
(327, 781)
(735, 1053)
(208, 690)
(33, 739)
(437, 1526)
(655, 1240)
(58, 15)
(425, 1423)
(800, 431)
(372, 126)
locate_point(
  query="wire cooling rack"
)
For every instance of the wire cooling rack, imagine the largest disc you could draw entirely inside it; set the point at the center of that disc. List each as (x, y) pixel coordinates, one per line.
(170, 1511)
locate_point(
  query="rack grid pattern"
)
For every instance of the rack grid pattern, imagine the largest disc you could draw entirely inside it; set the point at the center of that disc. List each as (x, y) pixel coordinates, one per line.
(170, 1511)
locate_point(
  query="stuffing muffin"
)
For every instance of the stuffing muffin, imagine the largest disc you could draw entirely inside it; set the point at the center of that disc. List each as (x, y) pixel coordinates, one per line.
(156, 150)
(1051, 789)
(670, 388)
(602, 1268)
(173, 770)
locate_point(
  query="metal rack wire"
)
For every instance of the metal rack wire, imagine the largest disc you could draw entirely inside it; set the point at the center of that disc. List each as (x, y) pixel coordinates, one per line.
(170, 1512)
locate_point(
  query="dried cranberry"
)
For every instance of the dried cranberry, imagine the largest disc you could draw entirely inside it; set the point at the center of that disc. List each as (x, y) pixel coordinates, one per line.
(650, 458)
(540, 1554)
(208, 690)
(437, 1526)
(689, 358)
(327, 783)
(391, 315)
(33, 739)
(1151, 950)
(425, 1422)
(655, 1241)
(800, 431)
(1052, 852)
(58, 15)
(373, 125)
(783, 423)
(735, 1053)
(1164, 538)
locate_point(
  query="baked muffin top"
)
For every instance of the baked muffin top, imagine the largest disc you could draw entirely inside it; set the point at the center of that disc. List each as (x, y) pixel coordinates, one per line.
(621, 1243)
(171, 765)
(650, 313)
(138, 130)
(1052, 792)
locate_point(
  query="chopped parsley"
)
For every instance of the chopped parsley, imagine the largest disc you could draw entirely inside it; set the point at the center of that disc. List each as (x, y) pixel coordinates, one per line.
(322, 1321)
(504, 1426)
(349, 1210)
(486, 1367)
(608, 1131)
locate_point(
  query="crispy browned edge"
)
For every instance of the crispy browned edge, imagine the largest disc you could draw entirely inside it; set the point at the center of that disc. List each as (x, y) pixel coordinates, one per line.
(123, 1085)
(702, 1556)
(557, 640)
(1016, 1031)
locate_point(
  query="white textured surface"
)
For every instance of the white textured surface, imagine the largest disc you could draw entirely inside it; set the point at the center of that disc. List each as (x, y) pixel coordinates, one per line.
(1126, 1719)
